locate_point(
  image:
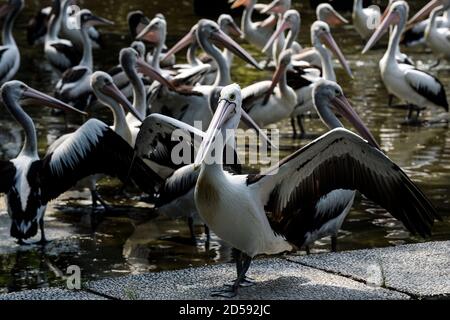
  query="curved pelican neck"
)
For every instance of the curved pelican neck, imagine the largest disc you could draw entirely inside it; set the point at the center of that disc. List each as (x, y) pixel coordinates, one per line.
(223, 72)
(139, 97)
(327, 64)
(394, 43)
(247, 23)
(30, 144)
(156, 55)
(432, 25)
(87, 60)
(7, 35)
(357, 6)
(191, 55)
(56, 21)
(328, 117)
(120, 125)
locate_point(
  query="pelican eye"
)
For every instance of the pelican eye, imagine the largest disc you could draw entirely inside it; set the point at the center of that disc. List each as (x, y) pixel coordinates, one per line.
(232, 97)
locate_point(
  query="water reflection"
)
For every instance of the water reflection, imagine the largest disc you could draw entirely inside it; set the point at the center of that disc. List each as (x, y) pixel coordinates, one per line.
(132, 240)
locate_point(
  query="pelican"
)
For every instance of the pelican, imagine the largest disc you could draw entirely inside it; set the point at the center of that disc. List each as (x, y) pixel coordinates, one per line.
(194, 103)
(438, 39)
(275, 212)
(269, 102)
(325, 12)
(21, 176)
(279, 7)
(74, 87)
(254, 32)
(365, 19)
(407, 83)
(137, 21)
(119, 76)
(155, 34)
(415, 30)
(61, 53)
(9, 52)
(70, 31)
(303, 77)
(131, 61)
(229, 27)
(400, 56)
(110, 96)
(30, 182)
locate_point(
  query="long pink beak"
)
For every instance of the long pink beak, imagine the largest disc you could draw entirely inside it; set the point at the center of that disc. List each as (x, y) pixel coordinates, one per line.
(344, 108)
(116, 94)
(51, 102)
(152, 73)
(335, 19)
(274, 7)
(180, 45)
(392, 18)
(275, 80)
(423, 13)
(329, 41)
(284, 26)
(234, 47)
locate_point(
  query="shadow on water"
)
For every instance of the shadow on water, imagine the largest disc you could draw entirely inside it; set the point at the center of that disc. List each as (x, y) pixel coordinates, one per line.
(131, 239)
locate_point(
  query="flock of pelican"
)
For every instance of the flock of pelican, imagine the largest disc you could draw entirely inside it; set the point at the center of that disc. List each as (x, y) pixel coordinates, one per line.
(304, 197)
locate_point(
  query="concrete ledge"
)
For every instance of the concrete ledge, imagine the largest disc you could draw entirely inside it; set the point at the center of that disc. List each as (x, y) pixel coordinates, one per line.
(403, 272)
(276, 279)
(420, 270)
(51, 294)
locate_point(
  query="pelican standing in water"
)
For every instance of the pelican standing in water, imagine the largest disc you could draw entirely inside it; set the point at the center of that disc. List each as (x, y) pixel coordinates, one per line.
(365, 19)
(273, 212)
(22, 177)
(74, 87)
(194, 104)
(415, 30)
(438, 38)
(256, 33)
(108, 94)
(9, 52)
(418, 88)
(61, 53)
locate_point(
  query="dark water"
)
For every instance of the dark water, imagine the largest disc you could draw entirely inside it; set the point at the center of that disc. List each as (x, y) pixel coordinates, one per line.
(132, 239)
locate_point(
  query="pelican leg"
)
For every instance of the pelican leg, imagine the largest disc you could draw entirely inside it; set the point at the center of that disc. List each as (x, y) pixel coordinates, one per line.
(294, 128)
(191, 230)
(97, 198)
(242, 267)
(411, 119)
(308, 250)
(207, 233)
(43, 240)
(334, 243)
(391, 100)
(301, 126)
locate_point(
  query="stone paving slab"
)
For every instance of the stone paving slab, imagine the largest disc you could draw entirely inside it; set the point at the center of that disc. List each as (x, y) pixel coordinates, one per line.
(51, 294)
(420, 270)
(276, 279)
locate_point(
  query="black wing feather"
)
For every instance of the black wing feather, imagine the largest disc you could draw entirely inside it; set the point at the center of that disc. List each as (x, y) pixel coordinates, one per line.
(7, 175)
(69, 52)
(340, 160)
(74, 74)
(439, 99)
(108, 154)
